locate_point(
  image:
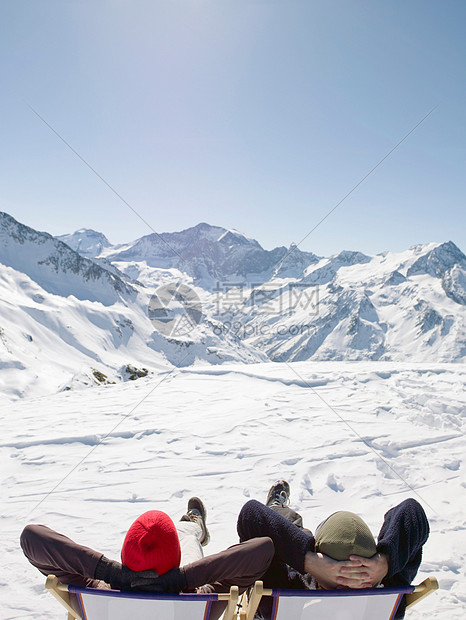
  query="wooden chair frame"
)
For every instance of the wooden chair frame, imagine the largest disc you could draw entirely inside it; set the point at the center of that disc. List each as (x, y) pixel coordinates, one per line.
(422, 590)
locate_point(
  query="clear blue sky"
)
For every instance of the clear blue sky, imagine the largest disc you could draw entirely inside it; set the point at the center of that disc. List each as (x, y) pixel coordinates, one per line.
(258, 115)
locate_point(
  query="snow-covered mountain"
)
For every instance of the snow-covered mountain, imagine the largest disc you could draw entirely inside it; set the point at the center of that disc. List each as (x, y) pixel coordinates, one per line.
(76, 306)
(394, 306)
(293, 305)
(66, 321)
(91, 244)
(57, 268)
(205, 253)
(87, 242)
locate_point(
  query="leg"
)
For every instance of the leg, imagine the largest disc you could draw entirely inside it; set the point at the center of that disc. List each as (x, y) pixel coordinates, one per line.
(290, 542)
(190, 535)
(192, 531)
(278, 499)
(197, 513)
(291, 515)
(55, 554)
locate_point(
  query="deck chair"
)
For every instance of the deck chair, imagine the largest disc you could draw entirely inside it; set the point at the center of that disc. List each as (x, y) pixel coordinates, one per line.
(98, 604)
(367, 604)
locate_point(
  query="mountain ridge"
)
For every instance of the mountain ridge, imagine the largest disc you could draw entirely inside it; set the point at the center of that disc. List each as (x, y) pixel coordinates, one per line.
(69, 315)
(50, 257)
(206, 253)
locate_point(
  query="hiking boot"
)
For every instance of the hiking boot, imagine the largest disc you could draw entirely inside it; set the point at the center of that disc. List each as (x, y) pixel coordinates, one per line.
(279, 494)
(197, 513)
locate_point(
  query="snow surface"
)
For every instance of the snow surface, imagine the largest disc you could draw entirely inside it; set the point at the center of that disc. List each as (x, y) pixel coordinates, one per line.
(360, 436)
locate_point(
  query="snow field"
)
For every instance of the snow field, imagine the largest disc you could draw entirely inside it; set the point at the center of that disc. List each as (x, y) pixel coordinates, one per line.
(359, 436)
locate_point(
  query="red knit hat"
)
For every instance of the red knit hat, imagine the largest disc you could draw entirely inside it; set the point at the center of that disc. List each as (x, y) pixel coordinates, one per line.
(152, 544)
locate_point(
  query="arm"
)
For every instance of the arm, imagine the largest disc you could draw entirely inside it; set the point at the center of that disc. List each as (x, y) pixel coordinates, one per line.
(239, 565)
(404, 531)
(55, 554)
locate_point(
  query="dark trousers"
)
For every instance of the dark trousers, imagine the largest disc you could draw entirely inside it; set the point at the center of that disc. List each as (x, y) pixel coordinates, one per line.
(292, 516)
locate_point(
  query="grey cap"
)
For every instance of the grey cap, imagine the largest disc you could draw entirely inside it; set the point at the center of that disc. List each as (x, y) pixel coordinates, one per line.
(343, 534)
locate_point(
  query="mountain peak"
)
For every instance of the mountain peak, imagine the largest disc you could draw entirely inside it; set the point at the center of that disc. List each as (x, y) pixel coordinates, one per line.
(86, 241)
(233, 237)
(349, 257)
(437, 259)
(201, 229)
(203, 226)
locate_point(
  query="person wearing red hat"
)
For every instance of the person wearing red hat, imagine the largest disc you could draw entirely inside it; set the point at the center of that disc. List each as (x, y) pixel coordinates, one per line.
(156, 556)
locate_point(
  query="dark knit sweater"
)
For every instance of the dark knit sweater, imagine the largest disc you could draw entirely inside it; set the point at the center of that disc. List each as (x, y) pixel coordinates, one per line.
(404, 531)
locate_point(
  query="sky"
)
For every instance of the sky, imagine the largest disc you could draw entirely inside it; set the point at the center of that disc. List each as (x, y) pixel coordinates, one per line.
(257, 115)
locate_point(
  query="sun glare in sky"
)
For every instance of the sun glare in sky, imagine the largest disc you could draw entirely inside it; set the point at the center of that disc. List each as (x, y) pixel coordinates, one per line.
(248, 114)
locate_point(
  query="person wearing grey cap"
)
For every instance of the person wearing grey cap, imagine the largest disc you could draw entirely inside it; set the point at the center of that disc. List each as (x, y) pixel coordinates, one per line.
(343, 552)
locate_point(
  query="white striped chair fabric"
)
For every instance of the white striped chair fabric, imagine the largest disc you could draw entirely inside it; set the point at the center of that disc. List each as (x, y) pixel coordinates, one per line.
(366, 604)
